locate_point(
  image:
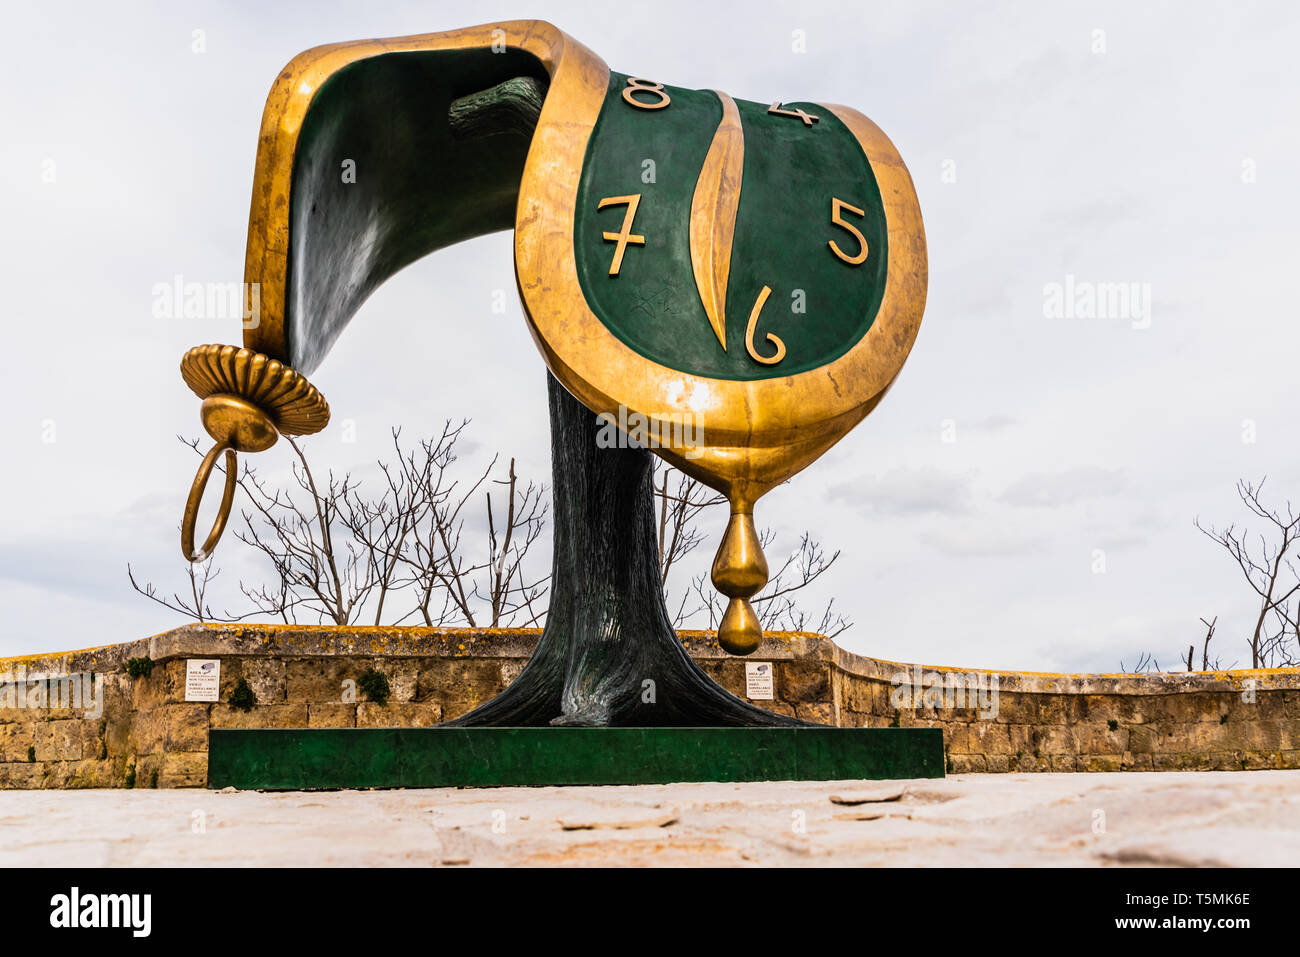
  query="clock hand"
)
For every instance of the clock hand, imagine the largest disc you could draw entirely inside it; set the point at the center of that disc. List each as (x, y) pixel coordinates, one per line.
(713, 215)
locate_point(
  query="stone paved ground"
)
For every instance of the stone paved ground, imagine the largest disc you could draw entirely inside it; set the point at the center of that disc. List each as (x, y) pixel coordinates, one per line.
(1207, 818)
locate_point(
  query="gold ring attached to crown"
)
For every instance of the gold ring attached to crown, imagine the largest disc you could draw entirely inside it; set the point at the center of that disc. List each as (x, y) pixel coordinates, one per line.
(249, 401)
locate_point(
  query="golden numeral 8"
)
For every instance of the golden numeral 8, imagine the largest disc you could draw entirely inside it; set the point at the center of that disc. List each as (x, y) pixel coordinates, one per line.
(645, 86)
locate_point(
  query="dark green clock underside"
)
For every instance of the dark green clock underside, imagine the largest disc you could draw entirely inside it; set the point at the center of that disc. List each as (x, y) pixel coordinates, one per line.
(791, 174)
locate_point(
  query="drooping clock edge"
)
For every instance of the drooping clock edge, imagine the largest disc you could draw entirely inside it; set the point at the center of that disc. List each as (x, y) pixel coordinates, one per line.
(276, 245)
(757, 433)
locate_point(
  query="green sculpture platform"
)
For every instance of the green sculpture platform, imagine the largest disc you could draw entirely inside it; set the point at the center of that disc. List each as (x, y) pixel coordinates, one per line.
(314, 758)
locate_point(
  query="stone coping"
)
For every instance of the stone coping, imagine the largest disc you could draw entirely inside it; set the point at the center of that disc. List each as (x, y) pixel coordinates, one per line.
(309, 641)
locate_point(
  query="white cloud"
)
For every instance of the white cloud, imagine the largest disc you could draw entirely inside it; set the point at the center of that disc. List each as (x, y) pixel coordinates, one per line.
(1067, 163)
(1055, 489)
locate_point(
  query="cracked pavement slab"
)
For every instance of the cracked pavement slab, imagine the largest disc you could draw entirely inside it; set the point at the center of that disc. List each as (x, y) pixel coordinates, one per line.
(1125, 819)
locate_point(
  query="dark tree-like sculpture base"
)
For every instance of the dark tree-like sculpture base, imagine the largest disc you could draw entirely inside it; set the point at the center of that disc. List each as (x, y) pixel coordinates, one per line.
(609, 655)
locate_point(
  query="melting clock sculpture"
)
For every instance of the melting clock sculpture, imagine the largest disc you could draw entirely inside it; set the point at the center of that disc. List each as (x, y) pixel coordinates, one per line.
(742, 280)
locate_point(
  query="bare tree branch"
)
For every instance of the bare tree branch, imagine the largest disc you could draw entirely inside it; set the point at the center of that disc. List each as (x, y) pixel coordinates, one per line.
(338, 553)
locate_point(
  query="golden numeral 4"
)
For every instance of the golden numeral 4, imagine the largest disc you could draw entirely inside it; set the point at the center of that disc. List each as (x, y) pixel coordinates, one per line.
(776, 110)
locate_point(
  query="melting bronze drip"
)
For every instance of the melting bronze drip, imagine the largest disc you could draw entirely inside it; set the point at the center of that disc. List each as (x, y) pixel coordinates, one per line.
(739, 572)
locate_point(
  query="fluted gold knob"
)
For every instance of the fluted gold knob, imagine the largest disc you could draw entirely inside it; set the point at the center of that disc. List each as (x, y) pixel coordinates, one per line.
(249, 401)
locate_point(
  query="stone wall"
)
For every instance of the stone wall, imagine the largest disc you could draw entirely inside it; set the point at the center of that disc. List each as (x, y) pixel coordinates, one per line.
(148, 735)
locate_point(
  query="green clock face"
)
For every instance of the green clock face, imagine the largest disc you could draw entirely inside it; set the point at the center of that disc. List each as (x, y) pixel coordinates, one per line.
(724, 238)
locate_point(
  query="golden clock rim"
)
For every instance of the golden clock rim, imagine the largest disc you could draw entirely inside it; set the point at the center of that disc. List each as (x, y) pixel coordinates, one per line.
(605, 373)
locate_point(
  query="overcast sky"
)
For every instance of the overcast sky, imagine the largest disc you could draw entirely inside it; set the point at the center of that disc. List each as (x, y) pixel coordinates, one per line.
(1114, 143)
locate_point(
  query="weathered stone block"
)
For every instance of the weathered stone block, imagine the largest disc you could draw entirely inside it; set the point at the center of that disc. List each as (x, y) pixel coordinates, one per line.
(1180, 761)
(1235, 735)
(261, 716)
(820, 713)
(985, 737)
(117, 733)
(458, 685)
(91, 733)
(1070, 762)
(403, 677)
(22, 775)
(403, 714)
(331, 715)
(967, 763)
(94, 774)
(1024, 738)
(1056, 739)
(728, 673)
(1016, 707)
(59, 740)
(1125, 708)
(1261, 760)
(186, 727)
(1030, 762)
(1090, 762)
(160, 687)
(1194, 706)
(183, 770)
(144, 734)
(777, 707)
(1144, 739)
(1225, 761)
(510, 669)
(15, 740)
(1100, 739)
(806, 682)
(1053, 709)
(319, 680)
(858, 695)
(883, 698)
(267, 678)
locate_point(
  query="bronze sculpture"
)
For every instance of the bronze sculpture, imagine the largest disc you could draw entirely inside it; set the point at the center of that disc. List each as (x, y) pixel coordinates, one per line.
(651, 299)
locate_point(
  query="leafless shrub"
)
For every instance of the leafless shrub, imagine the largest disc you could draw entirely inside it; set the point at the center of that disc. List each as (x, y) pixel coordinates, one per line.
(1267, 563)
(1144, 663)
(340, 555)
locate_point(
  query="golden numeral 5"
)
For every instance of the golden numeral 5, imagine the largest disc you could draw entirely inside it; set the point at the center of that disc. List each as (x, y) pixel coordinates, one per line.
(645, 86)
(749, 333)
(836, 206)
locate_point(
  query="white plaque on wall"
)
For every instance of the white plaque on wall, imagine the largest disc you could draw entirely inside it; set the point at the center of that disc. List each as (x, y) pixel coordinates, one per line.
(202, 679)
(759, 685)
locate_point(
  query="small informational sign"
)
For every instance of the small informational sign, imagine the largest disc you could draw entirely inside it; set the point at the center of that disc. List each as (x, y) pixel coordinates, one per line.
(202, 679)
(758, 681)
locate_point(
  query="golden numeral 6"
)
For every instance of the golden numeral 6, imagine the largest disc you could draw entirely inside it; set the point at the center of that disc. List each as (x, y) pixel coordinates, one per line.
(774, 340)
